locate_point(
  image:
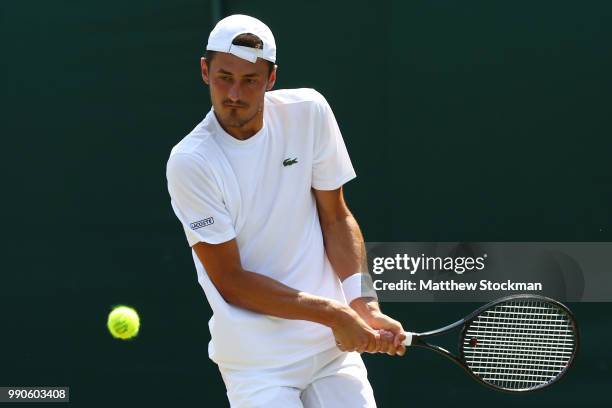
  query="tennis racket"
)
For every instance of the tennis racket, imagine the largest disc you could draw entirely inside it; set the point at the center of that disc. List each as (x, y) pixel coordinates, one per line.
(517, 343)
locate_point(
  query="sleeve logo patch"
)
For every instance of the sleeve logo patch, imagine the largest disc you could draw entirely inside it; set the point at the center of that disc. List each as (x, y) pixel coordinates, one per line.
(202, 223)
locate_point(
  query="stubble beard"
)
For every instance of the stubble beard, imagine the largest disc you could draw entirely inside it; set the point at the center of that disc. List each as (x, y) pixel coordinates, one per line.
(234, 119)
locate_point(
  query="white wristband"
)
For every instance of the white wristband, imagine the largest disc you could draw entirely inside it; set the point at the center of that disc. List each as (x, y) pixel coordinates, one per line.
(356, 286)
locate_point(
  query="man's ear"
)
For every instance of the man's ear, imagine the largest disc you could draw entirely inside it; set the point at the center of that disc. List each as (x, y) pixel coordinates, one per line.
(204, 68)
(272, 79)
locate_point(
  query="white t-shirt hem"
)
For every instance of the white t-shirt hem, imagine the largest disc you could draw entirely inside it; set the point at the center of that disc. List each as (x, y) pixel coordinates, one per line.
(285, 360)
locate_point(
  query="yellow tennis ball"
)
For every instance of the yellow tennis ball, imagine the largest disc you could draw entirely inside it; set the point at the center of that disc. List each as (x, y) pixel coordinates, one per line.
(123, 322)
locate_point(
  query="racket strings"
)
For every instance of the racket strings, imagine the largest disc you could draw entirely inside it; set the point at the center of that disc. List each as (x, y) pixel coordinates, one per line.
(520, 344)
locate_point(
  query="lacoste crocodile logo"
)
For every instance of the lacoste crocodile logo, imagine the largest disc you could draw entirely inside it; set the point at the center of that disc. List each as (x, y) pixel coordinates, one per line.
(289, 162)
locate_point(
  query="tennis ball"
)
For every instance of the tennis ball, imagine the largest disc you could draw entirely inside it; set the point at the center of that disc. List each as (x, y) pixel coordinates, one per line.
(123, 322)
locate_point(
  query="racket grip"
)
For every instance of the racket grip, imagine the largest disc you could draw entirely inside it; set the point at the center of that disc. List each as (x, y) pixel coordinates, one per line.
(408, 341)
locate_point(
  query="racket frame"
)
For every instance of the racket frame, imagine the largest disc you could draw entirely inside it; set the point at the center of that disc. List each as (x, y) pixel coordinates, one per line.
(419, 340)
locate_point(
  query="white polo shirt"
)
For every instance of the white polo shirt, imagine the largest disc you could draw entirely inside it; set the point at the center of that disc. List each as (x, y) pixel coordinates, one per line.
(259, 191)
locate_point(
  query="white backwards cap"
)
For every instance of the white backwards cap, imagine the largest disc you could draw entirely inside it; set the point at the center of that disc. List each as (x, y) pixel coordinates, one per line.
(226, 30)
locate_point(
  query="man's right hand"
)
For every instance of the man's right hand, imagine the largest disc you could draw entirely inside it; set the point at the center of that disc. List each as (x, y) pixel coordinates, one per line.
(352, 333)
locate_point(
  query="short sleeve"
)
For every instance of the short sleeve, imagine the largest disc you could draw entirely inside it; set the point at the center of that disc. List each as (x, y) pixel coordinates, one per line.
(332, 165)
(198, 201)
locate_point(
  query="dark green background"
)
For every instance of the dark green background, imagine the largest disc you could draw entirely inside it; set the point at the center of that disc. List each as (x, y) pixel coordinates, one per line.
(465, 120)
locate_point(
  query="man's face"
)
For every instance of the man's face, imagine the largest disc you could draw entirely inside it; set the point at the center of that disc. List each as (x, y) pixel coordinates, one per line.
(237, 89)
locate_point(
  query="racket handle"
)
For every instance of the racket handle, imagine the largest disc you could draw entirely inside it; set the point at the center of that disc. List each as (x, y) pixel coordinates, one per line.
(408, 341)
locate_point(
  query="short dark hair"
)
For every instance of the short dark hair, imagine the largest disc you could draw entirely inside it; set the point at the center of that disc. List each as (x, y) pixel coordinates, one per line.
(245, 40)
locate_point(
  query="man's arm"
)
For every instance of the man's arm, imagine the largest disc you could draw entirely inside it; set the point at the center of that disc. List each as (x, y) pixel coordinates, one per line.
(345, 249)
(261, 294)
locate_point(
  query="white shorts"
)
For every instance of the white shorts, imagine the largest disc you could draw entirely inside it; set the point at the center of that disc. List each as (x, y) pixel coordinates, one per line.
(331, 379)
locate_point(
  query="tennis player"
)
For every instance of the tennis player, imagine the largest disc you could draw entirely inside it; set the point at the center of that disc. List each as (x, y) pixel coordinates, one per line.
(257, 187)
